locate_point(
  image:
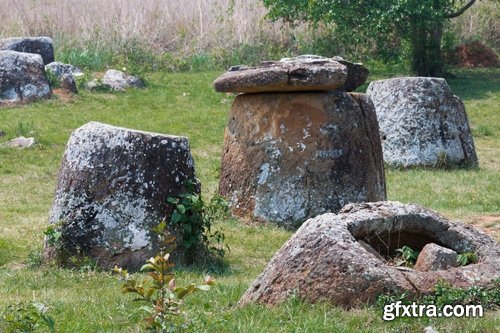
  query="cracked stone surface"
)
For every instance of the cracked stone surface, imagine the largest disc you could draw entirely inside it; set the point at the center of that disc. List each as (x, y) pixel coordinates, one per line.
(422, 123)
(37, 45)
(303, 73)
(288, 157)
(112, 189)
(22, 78)
(323, 260)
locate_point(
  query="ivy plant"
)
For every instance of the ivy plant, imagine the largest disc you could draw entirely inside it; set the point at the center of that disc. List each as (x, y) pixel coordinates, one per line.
(196, 220)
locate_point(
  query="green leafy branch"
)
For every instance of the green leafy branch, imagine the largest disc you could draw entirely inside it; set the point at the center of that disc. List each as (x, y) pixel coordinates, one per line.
(162, 296)
(196, 219)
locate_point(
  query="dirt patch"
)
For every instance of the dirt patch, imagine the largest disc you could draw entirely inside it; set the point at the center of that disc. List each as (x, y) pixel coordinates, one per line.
(473, 54)
(63, 95)
(488, 223)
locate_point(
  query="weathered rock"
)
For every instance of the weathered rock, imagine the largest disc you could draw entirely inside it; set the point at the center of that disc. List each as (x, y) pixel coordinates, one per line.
(324, 261)
(434, 257)
(422, 123)
(370, 249)
(37, 45)
(288, 157)
(22, 78)
(112, 189)
(120, 81)
(356, 74)
(303, 73)
(97, 84)
(20, 142)
(67, 82)
(59, 69)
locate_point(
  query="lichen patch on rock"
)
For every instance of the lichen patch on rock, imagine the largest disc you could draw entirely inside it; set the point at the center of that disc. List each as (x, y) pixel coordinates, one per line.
(112, 189)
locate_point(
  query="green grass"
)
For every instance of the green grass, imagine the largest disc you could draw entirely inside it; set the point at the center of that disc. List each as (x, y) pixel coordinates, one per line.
(185, 104)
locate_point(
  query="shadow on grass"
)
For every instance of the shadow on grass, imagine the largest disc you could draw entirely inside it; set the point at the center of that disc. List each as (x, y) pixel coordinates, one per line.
(468, 84)
(443, 166)
(476, 83)
(212, 266)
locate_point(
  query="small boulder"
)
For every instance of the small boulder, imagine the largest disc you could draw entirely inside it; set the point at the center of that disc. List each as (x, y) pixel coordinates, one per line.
(422, 123)
(68, 83)
(20, 142)
(323, 260)
(111, 191)
(2, 133)
(59, 69)
(97, 84)
(120, 81)
(303, 73)
(434, 257)
(38, 45)
(22, 78)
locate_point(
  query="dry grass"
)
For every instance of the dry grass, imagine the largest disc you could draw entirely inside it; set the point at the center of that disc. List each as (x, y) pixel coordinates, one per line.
(481, 22)
(157, 24)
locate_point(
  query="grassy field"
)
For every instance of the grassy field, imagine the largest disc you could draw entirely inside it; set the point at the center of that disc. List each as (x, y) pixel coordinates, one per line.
(185, 104)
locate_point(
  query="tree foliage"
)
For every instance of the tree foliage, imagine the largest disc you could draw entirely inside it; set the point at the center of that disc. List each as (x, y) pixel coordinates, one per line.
(419, 22)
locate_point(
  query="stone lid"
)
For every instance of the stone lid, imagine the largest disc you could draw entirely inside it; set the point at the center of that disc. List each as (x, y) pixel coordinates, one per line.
(302, 73)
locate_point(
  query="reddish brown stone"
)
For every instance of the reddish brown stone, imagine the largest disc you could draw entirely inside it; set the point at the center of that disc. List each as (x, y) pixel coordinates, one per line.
(290, 156)
(324, 261)
(434, 257)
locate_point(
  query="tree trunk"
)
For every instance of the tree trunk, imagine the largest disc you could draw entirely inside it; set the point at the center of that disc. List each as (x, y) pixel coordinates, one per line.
(427, 59)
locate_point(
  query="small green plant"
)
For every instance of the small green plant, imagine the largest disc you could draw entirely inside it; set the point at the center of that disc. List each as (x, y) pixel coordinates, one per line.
(466, 258)
(53, 236)
(84, 264)
(35, 259)
(162, 297)
(25, 129)
(53, 79)
(442, 160)
(80, 262)
(25, 317)
(446, 294)
(196, 219)
(406, 256)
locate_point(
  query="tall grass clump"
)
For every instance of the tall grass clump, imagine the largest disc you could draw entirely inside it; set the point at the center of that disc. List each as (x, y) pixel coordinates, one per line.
(93, 32)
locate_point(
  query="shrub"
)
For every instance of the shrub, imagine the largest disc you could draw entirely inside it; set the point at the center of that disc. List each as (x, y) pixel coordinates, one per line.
(25, 317)
(162, 297)
(196, 220)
